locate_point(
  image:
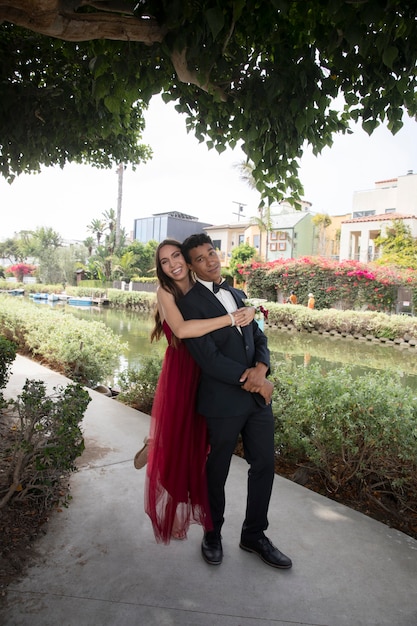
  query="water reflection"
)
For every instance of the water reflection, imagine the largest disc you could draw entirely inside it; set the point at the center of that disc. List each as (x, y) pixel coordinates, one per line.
(303, 348)
(341, 351)
(133, 328)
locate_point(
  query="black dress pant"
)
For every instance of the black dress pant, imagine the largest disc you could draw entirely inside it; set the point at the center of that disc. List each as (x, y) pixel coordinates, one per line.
(257, 430)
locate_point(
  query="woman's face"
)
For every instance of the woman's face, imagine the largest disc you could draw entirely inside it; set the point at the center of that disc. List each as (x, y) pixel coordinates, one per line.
(173, 263)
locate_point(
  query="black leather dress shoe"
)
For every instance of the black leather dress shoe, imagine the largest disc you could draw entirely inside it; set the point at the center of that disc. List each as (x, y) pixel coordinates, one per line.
(211, 548)
(266, 550)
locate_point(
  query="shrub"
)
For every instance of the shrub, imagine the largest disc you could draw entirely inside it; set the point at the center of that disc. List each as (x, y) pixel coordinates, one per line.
(44, 439)
(19, 270)
(7, 356)
(135, 300)
(87, 351)
(138, 385)
(352, 430)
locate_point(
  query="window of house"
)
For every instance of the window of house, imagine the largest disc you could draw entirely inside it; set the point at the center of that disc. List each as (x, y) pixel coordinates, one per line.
(217, 244)
(241, 239)
(356, 214)
(389, 210)
(256, 241)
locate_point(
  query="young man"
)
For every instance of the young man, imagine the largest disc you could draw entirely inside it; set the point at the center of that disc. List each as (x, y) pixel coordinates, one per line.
(235, 398)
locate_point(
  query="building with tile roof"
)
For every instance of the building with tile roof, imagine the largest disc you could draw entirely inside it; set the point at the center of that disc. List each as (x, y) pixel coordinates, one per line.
(373, 211)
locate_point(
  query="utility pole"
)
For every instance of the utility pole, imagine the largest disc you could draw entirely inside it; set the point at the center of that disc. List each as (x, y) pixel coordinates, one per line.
(120, 171)
(240, 210)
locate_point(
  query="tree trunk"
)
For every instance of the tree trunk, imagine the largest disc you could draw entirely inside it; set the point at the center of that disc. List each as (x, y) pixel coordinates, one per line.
(120, 171)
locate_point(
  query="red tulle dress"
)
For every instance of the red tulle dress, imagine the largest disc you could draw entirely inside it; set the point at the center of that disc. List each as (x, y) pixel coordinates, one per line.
(176, 484)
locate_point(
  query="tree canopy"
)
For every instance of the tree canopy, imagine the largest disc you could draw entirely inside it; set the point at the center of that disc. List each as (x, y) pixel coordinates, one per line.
(77, 74)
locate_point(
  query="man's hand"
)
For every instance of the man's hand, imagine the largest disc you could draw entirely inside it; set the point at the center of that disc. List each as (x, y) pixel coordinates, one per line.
(267, 391)
(253, 379)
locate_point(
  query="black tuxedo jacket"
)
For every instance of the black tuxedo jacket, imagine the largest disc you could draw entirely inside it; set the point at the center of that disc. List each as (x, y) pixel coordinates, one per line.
(223, 355)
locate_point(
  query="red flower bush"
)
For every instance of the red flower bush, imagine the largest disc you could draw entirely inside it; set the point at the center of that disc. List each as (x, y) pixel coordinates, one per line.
(19, 270)
(346, 284)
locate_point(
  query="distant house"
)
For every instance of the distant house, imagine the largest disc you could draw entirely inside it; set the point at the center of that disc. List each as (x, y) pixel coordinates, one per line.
(171, 225)
(226, 237)
(292, 235)
(372, 214)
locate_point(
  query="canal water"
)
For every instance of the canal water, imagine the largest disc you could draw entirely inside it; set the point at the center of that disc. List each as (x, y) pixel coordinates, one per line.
(303, 348)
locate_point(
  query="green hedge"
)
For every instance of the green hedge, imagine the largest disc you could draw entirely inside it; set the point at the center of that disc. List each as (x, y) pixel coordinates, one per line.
(364, 323)
(86, 351)
(135, 300)
(352, 430)
(30, 288)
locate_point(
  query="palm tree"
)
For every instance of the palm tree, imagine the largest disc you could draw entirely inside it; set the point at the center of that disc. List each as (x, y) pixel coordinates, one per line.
(322, 221)
(246, 173)
(120, 170)
(264, 221)
(97, 227)
(89, 244)
(110, 219)
(96, 267)
(126, 265)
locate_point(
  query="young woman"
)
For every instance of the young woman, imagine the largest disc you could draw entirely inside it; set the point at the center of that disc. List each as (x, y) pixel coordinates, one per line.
(176, 489)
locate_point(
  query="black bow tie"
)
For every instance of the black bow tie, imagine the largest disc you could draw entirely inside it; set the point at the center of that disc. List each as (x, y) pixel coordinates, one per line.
(223, 285)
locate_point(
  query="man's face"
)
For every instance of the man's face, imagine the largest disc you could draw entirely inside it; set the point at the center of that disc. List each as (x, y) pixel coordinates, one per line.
(205, 263)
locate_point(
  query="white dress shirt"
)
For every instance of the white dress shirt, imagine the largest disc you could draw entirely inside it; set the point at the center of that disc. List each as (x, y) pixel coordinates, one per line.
(224, 296)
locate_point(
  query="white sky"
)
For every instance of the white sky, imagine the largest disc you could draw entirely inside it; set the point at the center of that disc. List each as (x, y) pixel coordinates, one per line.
(185, 176)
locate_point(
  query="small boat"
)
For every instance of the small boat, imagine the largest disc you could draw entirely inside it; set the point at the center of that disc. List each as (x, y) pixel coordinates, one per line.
(80, 301)
(53, 297)
(40, 296)
(15, 292)
(101, 301)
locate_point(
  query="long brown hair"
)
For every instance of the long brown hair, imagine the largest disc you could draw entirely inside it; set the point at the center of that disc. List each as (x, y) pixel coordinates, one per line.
(167, 283)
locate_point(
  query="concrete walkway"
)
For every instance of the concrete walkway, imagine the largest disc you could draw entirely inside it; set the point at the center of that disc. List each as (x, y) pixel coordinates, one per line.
(99, 565)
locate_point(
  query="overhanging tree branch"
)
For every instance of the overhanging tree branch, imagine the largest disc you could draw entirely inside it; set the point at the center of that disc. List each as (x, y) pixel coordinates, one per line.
(264, 74)
(60, 19)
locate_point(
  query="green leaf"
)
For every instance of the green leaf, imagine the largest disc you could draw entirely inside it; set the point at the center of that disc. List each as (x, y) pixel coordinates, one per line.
(215, 19)
(389, 55)
(112, 103)
(370, 125)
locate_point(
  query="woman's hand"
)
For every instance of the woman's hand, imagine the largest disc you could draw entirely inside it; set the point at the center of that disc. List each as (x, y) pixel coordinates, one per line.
(244, 316)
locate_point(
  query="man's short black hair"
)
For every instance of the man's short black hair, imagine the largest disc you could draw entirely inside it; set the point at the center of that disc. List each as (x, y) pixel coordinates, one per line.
(193, 241)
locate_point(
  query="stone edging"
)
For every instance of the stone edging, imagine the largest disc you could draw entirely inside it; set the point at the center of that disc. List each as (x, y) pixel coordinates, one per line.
(400, 342)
